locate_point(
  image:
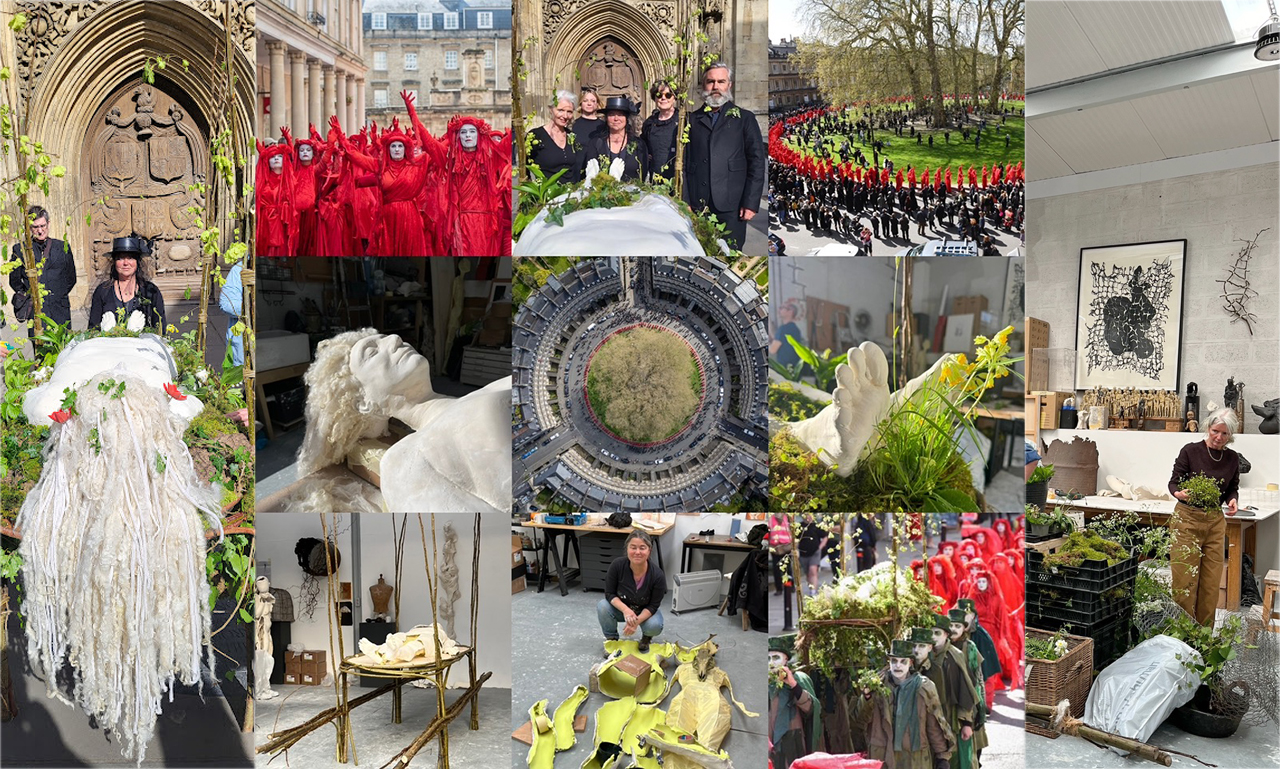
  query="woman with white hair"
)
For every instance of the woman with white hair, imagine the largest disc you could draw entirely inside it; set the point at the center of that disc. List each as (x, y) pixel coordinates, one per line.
(553, 146)
(458, 458)
(1199, 536)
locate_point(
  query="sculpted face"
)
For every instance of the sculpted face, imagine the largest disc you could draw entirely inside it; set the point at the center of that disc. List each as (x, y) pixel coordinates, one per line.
(305, 154)
(396, 150)
(386, 366)
(469, 137)
(276, 163)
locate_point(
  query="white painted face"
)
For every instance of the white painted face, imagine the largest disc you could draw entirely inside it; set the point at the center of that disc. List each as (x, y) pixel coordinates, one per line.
(306, 153)
(981, 538)
(949, 550)
(969, 617)
(469, 137)
(957, 630)
(276, 163)
(386, 366)
(939, 637)
(921, 651)
(777, 660)
(982, 584)
(900, 667)
(396, 150)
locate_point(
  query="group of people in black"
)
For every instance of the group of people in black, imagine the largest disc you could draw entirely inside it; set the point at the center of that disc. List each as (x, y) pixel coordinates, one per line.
(858, 207)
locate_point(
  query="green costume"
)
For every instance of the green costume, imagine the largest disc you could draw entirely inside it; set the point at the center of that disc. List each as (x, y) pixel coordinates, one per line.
(947, 669)
(907, 729)
(795, 713)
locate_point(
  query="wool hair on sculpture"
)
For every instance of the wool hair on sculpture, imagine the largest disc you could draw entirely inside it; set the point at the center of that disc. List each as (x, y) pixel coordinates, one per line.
(113, 546)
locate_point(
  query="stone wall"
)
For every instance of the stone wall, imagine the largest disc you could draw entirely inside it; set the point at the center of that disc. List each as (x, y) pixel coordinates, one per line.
(1211, 211)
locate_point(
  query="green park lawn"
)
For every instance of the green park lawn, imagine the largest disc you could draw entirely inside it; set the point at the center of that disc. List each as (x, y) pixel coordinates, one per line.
(904, 152)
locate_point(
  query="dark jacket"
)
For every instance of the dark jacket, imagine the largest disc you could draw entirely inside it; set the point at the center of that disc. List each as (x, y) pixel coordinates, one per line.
(724, 165)
(586, 130)
(148, 299)
(620, 583)
(634, 157)
(550, 158)
(58, 274)
(659, 139)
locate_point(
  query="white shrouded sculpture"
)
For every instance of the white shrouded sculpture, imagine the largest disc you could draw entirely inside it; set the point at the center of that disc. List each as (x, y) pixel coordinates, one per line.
(451, 462)
(263, 661)
(651, 226)
(146, 357)
(845, 427)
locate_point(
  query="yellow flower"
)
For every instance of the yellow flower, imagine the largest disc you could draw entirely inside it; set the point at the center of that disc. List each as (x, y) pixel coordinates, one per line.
(1003, 335)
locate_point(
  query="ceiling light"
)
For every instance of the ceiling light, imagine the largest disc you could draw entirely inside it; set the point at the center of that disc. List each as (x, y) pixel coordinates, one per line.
(1268, 48)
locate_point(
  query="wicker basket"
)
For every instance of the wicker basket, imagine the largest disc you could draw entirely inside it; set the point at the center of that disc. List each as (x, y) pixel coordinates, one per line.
(1067, 678)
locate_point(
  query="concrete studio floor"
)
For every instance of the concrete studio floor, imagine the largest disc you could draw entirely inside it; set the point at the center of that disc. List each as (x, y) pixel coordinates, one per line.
(556, 640)
(1249, 748)
(377, 738)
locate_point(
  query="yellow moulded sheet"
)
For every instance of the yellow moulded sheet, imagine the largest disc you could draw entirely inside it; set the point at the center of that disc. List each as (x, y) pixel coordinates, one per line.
(542, 751)
(611, 719)
(617, 684)
(683, 745)
(563, 720)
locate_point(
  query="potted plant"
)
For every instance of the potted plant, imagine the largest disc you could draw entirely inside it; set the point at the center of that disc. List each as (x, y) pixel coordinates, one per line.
(1046, 524)
(1038, 485)
(1218, 705)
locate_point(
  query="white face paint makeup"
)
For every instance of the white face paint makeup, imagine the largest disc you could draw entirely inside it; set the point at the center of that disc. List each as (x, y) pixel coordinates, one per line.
(900, 667)
(396, 150)
(777, 660)
(939, 637)
(982, 584)
(957, 630)
(276, 163)
(468, 137)
(305, 153)
(921, 651)
(969, 617)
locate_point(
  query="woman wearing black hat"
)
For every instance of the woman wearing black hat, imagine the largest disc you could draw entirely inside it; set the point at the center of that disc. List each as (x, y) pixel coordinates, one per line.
(128, 288)
(618, 142)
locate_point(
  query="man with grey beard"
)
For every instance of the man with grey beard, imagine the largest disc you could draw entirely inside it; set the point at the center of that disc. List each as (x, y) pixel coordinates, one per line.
(725, 160)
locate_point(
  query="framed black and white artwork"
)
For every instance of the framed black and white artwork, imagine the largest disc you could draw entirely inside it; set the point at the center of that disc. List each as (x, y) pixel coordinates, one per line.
(1129, 315)
(1015, 289)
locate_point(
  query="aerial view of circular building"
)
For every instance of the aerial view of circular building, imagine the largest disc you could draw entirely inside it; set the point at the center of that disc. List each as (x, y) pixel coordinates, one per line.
(640, 385)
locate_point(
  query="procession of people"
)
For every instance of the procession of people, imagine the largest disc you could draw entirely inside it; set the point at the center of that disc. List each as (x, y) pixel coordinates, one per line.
(386, 191)
(937, 681)
(832, 174)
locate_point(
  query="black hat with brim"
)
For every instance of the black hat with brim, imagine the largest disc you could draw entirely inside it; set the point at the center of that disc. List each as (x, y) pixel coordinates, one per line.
(618, 104)
(129, 247)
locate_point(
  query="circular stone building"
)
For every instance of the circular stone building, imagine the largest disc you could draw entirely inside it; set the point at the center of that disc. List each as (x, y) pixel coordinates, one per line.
(709, 438)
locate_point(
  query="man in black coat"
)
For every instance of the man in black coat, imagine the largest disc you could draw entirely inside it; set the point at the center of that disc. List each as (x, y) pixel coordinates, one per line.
(725, 161)
(57, 270)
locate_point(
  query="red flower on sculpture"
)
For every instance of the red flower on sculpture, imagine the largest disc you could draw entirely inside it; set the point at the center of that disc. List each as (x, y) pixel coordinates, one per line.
(174, 392)
(60, 416)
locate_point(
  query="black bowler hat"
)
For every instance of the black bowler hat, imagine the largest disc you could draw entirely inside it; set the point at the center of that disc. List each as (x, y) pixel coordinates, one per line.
(131, 246)
(618, 104)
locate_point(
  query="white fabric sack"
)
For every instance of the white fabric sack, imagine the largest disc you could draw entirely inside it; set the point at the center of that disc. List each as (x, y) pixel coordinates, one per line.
(1137, 692)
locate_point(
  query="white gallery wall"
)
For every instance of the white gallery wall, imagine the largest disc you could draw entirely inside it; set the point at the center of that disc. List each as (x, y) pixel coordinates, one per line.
(1211, 211)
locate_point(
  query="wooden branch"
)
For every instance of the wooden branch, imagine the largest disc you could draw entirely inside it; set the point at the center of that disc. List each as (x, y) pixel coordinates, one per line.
(403, 758)
(289, 737)
(1075, 728)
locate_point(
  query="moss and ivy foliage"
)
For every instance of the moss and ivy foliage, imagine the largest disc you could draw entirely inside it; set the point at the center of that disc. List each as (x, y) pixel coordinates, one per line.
(789, 404)
(1203, 492)
(800, 481)
(872, 613)
(1084, 546)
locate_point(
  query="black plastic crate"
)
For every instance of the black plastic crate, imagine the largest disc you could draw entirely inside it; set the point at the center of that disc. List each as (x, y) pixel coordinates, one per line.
(1091, 576)
(1111, 640)
(1082, 608)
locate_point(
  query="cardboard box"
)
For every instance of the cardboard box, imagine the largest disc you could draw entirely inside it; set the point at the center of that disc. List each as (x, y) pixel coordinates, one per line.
(517, 544)
(968, 305)
(517, 585)
(1037, 365)
(636, 668)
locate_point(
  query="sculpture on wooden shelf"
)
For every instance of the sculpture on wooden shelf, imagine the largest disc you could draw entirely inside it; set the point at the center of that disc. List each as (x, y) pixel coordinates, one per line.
(1193, 426)
(1268, 411)
(263, 661)
(361, 379)
(381, 595)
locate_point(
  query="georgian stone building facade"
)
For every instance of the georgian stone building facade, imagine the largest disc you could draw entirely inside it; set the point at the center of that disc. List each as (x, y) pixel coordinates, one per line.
(788, 86)
(453, 55)
(309, 65)
(619, 47)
